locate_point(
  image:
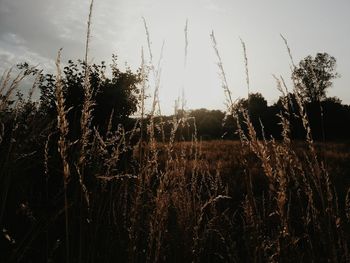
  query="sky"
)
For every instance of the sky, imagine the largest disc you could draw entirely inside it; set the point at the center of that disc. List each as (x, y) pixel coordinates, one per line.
(34, 30)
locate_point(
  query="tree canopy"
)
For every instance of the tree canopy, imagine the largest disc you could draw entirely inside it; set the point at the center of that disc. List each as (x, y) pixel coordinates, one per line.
(314, 76)
(115, 97)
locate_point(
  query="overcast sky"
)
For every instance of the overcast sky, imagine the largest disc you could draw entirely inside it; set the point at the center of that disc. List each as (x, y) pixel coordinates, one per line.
(34, 30)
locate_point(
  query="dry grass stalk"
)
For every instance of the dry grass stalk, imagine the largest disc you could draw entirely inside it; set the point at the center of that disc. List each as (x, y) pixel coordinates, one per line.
(63, 127)
(88, 104)
(142, 107)
(38, 78)
(148, 40)
(288, 50)
(284, 116)
(46, 155)
(8, 85)
(222, 74)
(246, 67)
(62, 122)
(155, 103)
(85, 123)
(186, 42)
(300, 102)
(5, 78)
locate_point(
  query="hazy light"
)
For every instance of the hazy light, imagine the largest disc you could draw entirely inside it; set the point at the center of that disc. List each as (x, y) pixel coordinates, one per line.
(37, 30)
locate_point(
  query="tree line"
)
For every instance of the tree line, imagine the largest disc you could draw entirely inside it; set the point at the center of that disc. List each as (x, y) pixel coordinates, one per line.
(329, 119)
(312, 77)
(117, 98)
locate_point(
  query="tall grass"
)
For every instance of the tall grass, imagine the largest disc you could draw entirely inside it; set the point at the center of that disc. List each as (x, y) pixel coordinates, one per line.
(256, 200)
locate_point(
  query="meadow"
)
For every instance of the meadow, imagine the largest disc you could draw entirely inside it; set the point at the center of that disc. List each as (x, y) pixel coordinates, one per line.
(81, 181)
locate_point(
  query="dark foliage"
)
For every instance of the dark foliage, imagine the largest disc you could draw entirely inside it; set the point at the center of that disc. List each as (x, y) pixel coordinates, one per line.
(31, 184)
(329, 119)
(314, 76)
(31, 213)
(115, 98)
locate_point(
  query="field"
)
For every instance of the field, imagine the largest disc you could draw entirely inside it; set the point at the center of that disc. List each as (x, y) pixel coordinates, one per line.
(88, 174)
(209, 201)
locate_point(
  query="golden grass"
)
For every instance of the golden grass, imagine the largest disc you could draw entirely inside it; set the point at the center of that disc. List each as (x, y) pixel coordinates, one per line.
(229, 201)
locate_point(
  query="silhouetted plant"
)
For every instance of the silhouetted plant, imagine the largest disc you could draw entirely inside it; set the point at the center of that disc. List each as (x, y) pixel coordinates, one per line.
(315, 75)
(116, 97)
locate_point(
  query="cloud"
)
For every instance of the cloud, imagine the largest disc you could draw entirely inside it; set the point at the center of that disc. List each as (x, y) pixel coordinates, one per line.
(38, 28)
(34, 30)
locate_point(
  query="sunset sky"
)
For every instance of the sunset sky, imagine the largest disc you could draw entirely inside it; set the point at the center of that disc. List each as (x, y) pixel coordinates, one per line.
(34, 30)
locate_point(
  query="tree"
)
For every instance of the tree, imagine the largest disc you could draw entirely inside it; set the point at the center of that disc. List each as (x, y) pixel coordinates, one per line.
(314, 76)
(115, 98)
(209, 123)
(257, 108)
